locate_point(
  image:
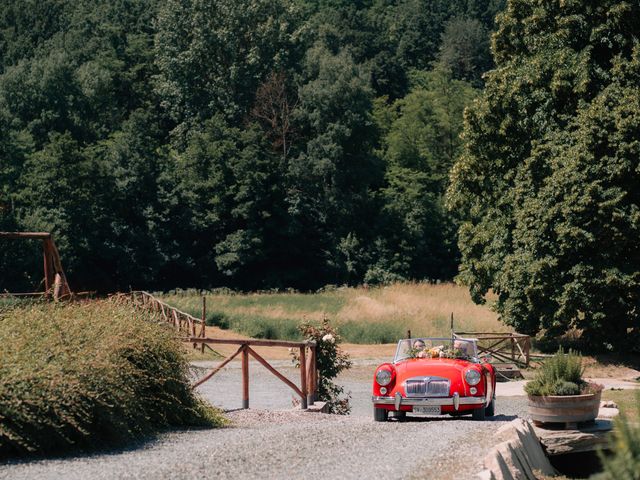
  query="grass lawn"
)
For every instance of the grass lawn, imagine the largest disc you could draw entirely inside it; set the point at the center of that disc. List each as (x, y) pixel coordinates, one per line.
(363, 315)
(628, 401)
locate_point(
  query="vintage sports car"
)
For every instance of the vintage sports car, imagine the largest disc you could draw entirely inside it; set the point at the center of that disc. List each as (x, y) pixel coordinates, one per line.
(435, 376)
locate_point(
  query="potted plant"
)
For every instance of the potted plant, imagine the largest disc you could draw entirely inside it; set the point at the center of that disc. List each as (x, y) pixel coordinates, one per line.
(559, 394)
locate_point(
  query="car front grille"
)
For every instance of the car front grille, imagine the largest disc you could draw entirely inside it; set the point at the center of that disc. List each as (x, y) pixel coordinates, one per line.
(427, 387)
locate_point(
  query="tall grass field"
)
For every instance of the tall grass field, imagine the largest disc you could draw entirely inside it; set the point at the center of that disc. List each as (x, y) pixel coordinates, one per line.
(362, 315)
(91, 375)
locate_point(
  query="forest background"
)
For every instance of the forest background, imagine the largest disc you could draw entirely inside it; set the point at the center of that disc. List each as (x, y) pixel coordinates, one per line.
(259, 145)
(253, 145)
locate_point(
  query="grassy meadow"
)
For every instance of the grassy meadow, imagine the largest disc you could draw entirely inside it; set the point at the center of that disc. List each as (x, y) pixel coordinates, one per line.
(362, 315)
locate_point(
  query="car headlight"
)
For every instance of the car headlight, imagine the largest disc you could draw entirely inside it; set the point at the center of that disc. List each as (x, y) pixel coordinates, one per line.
(472, 376)
(383, 377)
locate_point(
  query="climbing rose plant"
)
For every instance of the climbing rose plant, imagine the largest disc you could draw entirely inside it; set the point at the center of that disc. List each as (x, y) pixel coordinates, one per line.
(331, 361)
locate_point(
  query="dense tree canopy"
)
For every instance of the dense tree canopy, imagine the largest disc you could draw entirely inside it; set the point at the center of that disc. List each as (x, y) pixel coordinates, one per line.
(249, 144)
(297, 143)
(547, 183)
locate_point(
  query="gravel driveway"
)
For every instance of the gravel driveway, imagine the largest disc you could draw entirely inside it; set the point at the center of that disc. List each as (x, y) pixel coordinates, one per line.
(273, 441)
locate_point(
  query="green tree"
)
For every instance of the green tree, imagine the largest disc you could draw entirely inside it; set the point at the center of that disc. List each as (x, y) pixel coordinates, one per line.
(133, 247)
(546, 180)
(328, 182)
(465, 50)
(421, 143)
(62, 192)
(213, 54)
(231, 184)
(74, 145)
(26, 26)
(420, 24)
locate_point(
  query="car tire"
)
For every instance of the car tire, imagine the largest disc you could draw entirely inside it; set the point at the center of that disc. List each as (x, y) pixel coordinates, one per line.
(380, 414)
(490, 411)
(478, 414)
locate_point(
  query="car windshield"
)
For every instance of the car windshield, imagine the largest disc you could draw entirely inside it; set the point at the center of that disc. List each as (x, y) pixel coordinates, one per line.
(464, 348)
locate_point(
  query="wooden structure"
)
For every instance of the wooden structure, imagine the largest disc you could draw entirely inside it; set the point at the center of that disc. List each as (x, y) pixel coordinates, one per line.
(186, 325)
(55, 280)
(193, 330)
(508, 348)
(565, 410)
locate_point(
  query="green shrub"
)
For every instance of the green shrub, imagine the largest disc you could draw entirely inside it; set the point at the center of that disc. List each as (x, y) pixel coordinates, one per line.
(562, 387)
(218, 319)
(331, 361)
(559, 375)
(90, 375)
(624, 461)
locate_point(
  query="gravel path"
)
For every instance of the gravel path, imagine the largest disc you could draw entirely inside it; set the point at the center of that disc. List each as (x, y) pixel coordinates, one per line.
(284, 443)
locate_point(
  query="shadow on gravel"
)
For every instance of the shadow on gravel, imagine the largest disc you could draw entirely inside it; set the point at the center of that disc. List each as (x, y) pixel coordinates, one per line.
(83, 453)
(465, 418)
(502, 418)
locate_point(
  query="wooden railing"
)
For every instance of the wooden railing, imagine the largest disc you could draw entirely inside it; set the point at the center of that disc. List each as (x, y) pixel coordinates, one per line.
(505, 347)
(184, 323)
(308, 370)
(193, 330)
(55, 280)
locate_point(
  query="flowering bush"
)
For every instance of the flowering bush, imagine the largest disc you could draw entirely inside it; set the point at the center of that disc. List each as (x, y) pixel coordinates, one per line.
(331, 361)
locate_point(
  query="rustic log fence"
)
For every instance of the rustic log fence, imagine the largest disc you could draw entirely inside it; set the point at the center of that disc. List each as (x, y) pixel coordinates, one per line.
(505, 347)
(55, 280)
(193, 330)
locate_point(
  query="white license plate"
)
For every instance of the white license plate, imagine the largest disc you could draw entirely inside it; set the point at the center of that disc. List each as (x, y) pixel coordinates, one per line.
(427, 410)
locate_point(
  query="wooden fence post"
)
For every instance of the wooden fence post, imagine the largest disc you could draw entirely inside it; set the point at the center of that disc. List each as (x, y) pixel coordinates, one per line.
(203, 318)
(47, 266)
(192, 322)
(311, 367)
(245, 377)
(513, 348)
(176, 321)
(303, 377)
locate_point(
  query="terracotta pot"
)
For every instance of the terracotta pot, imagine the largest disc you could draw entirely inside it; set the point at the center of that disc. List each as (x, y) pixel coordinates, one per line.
(564, 408)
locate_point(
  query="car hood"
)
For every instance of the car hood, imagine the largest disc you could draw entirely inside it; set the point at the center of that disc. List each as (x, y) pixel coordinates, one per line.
(433, 367)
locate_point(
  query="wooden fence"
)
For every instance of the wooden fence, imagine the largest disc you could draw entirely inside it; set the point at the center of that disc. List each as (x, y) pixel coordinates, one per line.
(505, 347)
(185, 324)
(193, 330)
(55, 280)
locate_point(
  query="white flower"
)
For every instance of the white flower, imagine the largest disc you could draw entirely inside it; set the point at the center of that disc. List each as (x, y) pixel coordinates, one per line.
(328, 338)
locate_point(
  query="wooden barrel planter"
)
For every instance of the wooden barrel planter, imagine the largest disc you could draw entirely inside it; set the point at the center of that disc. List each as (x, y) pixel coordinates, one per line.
(568, 410)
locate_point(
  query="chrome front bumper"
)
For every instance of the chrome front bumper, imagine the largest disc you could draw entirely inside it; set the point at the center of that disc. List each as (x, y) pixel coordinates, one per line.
(455, 401)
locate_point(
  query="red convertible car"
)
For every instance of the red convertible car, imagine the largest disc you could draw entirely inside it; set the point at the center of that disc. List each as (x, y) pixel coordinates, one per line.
(435, 376)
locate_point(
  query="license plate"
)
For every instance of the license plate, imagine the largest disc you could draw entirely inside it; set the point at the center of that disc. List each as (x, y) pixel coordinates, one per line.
(427, 410)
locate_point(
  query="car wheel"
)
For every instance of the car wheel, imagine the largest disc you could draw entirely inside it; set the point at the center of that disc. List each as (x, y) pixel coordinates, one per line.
(380, 414)
(478, 414)
(490, 411)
